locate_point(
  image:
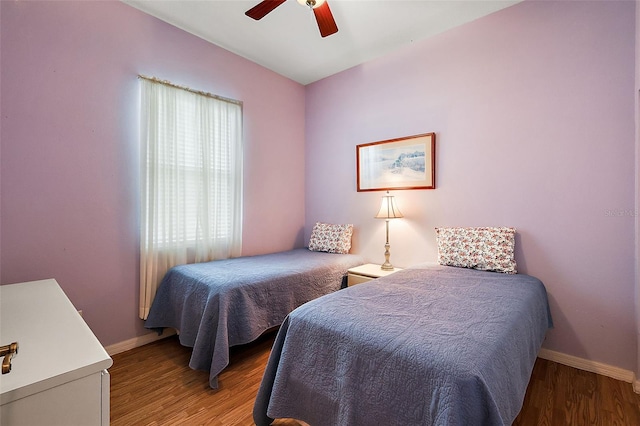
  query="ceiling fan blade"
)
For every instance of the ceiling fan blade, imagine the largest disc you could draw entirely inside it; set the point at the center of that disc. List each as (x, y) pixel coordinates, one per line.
(326, 23)
(261, 10)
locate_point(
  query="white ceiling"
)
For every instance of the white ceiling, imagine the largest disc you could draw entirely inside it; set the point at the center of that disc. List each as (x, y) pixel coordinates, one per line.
(288, 42)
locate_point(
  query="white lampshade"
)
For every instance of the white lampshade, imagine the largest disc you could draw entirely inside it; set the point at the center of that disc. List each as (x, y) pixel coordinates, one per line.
(388, 208)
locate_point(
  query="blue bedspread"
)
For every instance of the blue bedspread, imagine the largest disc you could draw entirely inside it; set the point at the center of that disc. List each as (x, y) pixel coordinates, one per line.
(222, 303)
(430, 345)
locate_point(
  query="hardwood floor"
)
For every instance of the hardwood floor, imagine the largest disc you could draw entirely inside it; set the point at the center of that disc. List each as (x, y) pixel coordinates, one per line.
(561, 395)
(153, 385)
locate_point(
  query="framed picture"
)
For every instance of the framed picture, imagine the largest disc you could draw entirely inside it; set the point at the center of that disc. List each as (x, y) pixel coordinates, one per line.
(403, 163)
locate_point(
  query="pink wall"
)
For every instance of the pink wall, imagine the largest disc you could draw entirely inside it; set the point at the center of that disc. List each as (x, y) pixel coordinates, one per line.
(69, 137)
(533, 107)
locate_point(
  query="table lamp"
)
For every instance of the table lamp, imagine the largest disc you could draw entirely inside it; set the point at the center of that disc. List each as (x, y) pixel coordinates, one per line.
(388, 210)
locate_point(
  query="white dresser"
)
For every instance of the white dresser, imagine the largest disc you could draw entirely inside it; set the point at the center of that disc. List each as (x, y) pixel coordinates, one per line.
(59, 376)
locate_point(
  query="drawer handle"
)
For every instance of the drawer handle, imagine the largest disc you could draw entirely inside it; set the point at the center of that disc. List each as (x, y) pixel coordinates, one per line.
(8, 352)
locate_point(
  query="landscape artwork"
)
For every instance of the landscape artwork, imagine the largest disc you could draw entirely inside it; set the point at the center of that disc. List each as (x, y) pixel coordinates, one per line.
(404, 163)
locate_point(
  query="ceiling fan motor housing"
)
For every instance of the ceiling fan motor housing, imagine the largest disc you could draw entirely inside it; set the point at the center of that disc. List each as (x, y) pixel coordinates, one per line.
(311, 3)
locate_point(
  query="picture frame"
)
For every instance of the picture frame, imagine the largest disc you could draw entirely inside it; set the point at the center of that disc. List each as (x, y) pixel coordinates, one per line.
(402, 163)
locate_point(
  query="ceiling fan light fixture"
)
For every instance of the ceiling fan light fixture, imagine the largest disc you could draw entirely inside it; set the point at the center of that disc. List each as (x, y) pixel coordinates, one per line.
(311, 3)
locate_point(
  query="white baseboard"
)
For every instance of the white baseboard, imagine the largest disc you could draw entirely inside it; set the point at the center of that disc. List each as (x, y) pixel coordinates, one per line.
(592, 366)
(138, 341)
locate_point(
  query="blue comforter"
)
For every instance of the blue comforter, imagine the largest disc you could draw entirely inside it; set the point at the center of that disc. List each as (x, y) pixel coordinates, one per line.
(222, 303)
(430, 345)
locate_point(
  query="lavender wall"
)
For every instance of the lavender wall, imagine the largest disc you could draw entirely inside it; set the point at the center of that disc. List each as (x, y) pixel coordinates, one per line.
(637, 188)
(69, 138)
(533, 108)
(1, 121)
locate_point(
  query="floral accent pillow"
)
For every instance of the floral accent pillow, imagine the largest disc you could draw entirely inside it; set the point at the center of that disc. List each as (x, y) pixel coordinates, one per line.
(486, 249)
(331, 238)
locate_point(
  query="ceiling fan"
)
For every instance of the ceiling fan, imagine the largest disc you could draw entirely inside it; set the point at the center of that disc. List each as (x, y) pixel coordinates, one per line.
(326, 23)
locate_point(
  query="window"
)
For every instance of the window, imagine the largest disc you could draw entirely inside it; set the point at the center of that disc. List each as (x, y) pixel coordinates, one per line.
(191, 182)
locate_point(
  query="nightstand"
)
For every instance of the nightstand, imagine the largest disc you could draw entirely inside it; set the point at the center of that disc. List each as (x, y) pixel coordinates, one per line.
(363, 273)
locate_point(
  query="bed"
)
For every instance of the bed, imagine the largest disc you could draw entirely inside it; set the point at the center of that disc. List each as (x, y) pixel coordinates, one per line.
(219, 304)
(428, 345)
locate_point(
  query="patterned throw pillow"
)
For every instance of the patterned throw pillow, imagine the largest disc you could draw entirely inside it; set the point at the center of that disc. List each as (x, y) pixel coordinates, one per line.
(331, 238)
(487, 249)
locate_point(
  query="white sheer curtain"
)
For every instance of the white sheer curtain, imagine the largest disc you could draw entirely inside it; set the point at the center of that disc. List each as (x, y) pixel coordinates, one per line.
(191, 183)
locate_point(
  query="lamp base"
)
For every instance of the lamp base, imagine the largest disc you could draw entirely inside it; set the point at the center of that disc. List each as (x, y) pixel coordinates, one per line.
(387, 267)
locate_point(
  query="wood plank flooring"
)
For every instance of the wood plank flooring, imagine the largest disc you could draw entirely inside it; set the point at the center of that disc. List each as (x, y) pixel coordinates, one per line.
(153, 385)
